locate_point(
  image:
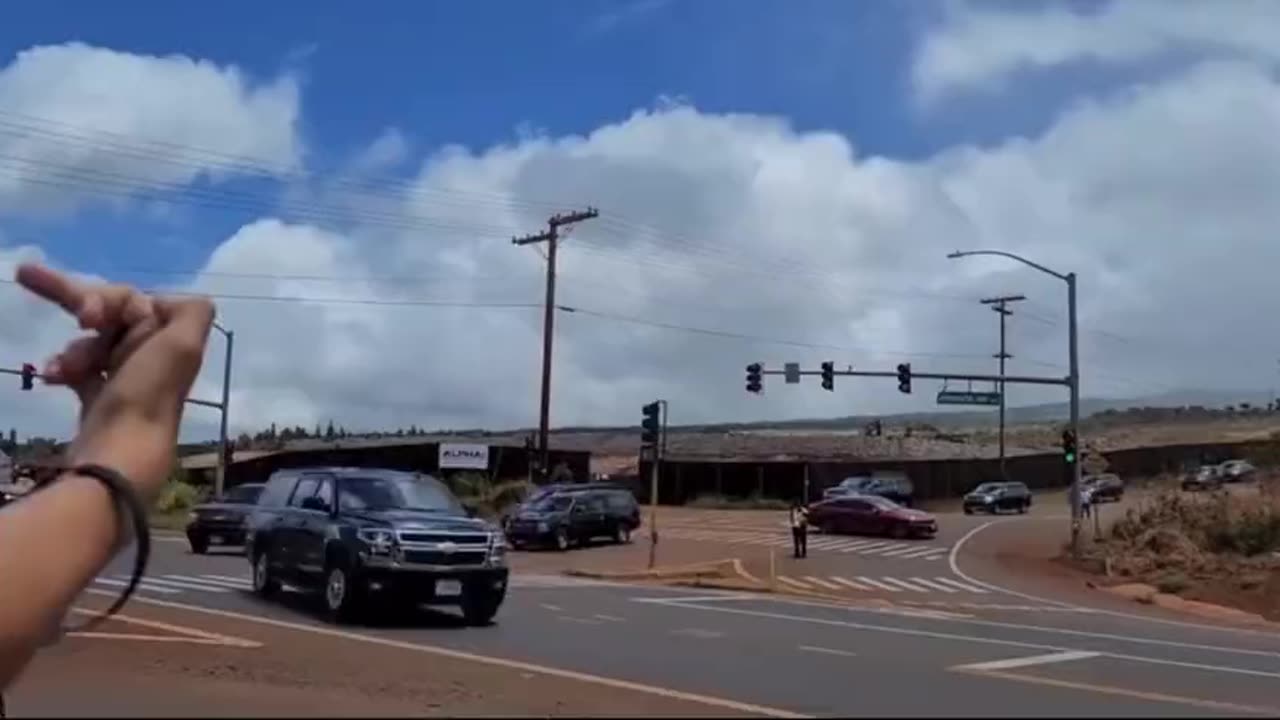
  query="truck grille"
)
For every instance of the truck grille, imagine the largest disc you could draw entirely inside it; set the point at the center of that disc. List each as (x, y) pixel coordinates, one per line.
(439, 537)
(436, 557)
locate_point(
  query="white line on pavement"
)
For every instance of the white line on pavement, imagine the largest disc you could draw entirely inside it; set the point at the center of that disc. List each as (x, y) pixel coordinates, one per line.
(1028, 661)
(439, 651)
(821, 583)
(962, 586)
(142, 585)
(876, 583)
(930, 584)
(186, 585)
(897, 630)
(827, 651)
(849, 583)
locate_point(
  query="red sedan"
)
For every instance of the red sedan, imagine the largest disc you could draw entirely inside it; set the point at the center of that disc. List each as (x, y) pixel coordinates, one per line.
(871, 515)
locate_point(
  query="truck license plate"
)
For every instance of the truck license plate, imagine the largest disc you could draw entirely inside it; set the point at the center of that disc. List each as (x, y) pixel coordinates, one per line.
(448, 587)
(215, 539)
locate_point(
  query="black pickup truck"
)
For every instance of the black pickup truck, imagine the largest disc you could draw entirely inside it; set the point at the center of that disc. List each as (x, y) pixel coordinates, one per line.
(361, 535)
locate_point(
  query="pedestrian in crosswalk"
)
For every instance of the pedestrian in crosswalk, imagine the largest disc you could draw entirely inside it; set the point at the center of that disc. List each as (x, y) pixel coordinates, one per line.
(799, 529)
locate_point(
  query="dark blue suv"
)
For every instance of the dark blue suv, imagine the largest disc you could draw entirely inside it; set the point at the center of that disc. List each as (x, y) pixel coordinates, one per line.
(360, 535)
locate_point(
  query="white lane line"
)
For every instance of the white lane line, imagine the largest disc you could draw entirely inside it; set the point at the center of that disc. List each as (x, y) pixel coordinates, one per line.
(903, 584)
(583, 621)
(142, 585)
(232, 584)
(856, 545)
(793, 582)
(821, 583)
(876, 583)
(826, 651)
(230, 578)
(874, 548)
(849, 583)
(952, 561)
(1028, 661)
(982, 639)
(610, 618)
(493, 661)
(899, 550)
(825, 544)
(698, 633)
(926, 551)
(552, 608)
(187, 585)
(931, 584)
(962, 586)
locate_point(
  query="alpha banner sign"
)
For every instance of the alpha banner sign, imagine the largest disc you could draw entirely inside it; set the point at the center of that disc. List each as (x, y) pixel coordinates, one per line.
(457, 456)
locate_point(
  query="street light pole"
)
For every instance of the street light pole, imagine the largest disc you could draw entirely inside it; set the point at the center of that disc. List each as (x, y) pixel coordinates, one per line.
(1073, 373)
(220, 479)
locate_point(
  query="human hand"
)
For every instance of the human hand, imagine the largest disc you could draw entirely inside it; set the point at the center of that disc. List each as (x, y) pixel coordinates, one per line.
(132, 373)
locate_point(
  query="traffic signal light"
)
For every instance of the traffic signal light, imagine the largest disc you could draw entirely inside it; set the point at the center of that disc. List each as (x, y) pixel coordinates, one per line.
(753, 377)
(1069, 447)
(828, 375)
(649, 426)
(904, 377)
(28, 376)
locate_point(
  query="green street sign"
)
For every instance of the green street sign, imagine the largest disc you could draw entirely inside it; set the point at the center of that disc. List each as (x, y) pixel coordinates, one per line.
(961, 397)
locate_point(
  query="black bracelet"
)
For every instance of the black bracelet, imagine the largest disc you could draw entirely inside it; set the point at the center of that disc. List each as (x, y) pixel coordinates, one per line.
(122, 493)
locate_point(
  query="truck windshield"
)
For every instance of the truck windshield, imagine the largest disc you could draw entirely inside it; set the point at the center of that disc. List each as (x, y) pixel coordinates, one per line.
(398, 493)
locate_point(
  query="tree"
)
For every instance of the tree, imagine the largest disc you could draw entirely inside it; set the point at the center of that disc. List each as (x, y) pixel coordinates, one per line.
(329, 432)
(489, 499)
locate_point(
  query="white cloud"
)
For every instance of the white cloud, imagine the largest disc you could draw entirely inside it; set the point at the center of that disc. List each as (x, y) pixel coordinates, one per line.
(980, 48)
(1159, 198)
(76, 120)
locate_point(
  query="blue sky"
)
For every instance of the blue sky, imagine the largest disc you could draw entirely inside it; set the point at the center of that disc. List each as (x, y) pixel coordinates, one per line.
(475, 72)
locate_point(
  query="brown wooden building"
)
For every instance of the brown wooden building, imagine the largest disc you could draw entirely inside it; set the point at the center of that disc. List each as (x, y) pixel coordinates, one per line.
(785, 478)
(398, 453)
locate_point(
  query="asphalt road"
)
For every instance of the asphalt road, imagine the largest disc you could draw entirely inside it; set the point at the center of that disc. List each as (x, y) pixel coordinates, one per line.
(783, 656)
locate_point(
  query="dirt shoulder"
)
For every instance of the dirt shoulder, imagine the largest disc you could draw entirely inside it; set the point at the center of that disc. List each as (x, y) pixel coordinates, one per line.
(294, 674)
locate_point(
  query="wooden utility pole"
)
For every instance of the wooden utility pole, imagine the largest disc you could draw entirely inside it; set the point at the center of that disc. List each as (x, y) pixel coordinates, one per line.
(998, 304)
(551, 236)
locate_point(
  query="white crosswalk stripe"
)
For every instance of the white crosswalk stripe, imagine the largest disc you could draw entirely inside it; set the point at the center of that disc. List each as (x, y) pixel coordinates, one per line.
(222, 584)
(831, 543)
(864, 583)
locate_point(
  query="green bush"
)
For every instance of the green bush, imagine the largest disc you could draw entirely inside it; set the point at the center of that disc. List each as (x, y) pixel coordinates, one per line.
(751, 502)
(179, 496)
(487, 498)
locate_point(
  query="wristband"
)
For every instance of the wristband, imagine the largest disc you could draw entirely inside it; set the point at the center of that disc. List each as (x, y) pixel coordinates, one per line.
(125, 499)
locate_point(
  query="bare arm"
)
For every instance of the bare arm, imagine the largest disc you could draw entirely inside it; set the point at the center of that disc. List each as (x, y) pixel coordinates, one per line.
(132, 376)
(44, 566)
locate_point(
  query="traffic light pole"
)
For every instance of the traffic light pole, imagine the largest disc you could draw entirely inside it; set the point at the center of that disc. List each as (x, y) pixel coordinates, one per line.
(1073, 376)
(551, 236)
(219, 482)
(999, 304)
(1020, 379)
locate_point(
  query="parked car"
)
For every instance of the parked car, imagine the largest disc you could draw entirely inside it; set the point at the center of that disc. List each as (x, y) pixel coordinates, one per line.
(575, 517)
(222, 521)
(992, 497)
(1206, 477)
(895, 486)
(1106, 487)
(871, 515)
(1233, 471)
(361, 535)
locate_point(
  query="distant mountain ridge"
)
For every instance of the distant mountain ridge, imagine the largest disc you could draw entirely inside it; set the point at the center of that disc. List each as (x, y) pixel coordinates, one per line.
(1025, 414)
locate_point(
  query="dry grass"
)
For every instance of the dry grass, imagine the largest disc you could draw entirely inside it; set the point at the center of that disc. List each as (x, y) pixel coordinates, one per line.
(1176, 540)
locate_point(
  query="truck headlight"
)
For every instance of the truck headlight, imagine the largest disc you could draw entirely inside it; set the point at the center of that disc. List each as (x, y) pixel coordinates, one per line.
(497, 549)
(543, 527)
(379, 540)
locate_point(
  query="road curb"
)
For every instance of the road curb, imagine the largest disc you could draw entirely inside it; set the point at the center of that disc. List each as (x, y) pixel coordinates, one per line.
(1148, 595)
(698, 571)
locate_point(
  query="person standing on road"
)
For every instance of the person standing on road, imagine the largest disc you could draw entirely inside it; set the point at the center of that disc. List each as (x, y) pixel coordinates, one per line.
(799, 529)
(132, 375)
